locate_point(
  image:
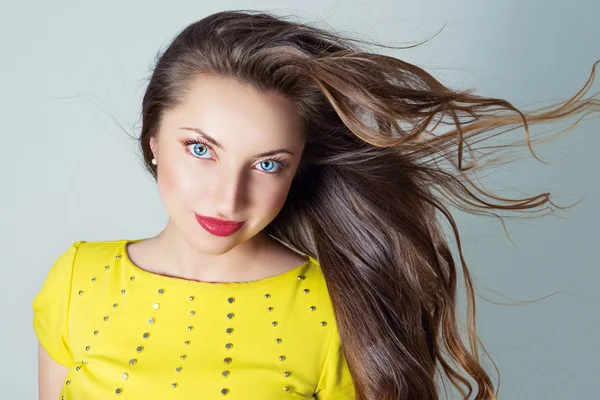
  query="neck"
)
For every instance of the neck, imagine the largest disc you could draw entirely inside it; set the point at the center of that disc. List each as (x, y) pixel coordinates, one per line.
(181, 258)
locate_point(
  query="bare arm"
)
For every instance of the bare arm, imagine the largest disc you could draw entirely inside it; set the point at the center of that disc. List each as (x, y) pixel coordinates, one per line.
(51, 376)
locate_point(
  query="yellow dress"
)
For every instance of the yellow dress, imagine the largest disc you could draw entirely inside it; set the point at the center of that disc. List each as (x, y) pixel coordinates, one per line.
(125, 332)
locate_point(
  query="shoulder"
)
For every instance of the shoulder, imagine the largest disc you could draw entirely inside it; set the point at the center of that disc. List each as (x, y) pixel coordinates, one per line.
(100, 250)
(97, 254)
(83, 256)
(97, 246)
(101, 245)
(77, 256)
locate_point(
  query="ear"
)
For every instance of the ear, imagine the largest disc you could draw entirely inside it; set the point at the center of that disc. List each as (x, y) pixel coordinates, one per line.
(152, 143)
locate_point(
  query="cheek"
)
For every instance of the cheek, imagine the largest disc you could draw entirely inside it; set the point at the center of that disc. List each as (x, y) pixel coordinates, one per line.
(176, 183)
(270, 199)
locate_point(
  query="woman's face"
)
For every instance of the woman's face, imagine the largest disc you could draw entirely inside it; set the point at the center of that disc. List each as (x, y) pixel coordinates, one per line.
(228, 180)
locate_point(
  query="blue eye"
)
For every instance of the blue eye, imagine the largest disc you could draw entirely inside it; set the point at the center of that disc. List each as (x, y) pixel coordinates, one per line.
(270, 166)
(197, 149)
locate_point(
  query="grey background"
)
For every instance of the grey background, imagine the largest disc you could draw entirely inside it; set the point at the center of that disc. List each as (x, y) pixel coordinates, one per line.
(72, 81)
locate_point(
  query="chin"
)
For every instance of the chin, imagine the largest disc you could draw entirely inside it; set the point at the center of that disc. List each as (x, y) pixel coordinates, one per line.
(209, 244)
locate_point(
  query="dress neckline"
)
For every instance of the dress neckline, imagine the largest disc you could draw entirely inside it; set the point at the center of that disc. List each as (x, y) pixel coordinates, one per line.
(136, 270)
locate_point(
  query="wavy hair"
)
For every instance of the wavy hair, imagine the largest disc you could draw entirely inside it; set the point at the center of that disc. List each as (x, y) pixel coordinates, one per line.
(375, 175)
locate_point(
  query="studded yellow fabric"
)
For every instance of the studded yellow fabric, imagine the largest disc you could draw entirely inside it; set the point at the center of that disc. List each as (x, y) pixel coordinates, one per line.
(128, 333)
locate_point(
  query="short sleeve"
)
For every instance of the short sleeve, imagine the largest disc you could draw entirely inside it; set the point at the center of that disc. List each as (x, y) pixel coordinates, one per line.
(51, 307)
(335, 382)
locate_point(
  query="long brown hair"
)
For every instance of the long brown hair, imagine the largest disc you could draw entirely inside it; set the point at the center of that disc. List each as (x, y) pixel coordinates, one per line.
(375, 175)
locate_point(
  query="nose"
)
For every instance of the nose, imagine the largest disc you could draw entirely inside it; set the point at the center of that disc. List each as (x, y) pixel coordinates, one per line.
(228, 191)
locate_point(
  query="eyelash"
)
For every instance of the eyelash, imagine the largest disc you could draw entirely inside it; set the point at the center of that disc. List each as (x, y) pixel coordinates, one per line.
(279, 161)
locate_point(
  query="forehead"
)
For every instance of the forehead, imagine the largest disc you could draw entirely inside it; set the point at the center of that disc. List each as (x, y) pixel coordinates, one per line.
(224, 107)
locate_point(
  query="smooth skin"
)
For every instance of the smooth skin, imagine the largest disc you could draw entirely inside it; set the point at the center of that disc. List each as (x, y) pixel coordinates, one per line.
(226, 180)
(51, 375)
(229, 181)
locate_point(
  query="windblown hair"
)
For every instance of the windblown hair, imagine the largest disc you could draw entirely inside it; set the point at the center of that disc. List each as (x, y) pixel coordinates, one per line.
(374, 177)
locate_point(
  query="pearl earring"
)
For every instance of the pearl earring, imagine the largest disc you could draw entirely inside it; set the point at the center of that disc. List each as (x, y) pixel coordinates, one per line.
(154, 161)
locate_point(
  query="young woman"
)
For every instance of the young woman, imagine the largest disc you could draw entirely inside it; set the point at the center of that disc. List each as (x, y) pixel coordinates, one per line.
(303, 257)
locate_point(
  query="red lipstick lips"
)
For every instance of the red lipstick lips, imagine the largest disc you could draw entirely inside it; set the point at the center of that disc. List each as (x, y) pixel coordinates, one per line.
(218, 227)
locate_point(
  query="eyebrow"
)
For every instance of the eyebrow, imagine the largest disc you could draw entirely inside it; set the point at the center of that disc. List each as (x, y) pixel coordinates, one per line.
(220, 146)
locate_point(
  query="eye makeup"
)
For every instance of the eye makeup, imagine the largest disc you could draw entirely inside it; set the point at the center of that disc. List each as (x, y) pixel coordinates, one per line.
(281, 164)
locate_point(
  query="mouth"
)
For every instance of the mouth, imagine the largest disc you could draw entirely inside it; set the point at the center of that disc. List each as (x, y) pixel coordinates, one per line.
(218, 227)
